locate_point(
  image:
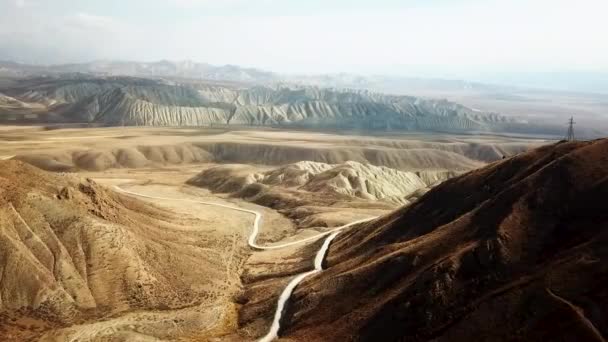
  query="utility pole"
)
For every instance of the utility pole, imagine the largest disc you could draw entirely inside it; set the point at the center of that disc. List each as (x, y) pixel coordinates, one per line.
(570, 135)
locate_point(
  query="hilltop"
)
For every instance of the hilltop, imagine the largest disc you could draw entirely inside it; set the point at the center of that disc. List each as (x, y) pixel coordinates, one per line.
(500, 253)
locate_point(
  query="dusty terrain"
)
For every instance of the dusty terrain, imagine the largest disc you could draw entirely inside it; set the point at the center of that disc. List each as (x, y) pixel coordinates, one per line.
(87, 262)
(27, 97)
(102, 265)
(81, 261)
(512, 251)
(132, 101)
(98, 149)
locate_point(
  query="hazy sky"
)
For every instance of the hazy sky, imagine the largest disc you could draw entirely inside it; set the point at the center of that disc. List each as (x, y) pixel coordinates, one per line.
(371, 36)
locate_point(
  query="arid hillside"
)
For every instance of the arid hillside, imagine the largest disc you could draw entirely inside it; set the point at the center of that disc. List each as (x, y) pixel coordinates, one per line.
(516, 250)
(100, 149)
(79, 261)
(318, 183)
(129, 101)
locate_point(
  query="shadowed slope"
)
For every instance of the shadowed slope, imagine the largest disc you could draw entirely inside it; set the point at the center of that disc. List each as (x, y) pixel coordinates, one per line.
(513, 251)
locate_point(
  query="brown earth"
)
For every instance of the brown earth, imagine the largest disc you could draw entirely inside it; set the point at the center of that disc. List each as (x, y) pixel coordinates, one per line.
(516, 250)
(348, 180)
(98, 265)
(81, 261)
(306, 208)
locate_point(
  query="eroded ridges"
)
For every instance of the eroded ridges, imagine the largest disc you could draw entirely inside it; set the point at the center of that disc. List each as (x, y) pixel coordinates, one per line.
(141, 102)
(348, 180)
(129, 157)
(500, 253)
(72, 250)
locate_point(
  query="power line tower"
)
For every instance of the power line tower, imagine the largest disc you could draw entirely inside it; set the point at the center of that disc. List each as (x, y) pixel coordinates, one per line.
(570, 135)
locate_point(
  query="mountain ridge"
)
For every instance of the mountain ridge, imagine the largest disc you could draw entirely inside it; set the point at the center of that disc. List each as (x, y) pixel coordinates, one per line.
(543, 109)
(499, 253)
(133, 101)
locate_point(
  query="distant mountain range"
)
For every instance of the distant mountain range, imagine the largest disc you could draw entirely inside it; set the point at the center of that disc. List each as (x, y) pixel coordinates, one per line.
(190, 93)
(183, 69)
(146, 102)
(591, 82)
(188, 70)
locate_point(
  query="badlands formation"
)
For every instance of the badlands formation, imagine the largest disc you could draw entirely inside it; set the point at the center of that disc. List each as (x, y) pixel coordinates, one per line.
(128, 101)
(144, 234)
(542, 110)
(81, 262)
(516, 250)
(109, 148)
(351, 179)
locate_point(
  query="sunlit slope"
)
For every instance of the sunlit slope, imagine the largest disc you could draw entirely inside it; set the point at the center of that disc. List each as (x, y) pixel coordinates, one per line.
(143, 102)
(73, 252)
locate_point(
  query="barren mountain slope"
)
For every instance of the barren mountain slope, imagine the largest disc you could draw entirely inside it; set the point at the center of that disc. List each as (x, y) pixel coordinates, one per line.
(366, 181)
(9, 106)
(351, 179)
(73, 253)
(517, 250)
(126, 157)
(99, 149)
(143, 102)
(308, 209)
(270, 154)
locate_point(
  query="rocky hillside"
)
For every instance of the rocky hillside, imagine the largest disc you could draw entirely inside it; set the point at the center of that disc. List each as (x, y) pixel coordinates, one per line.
(73, 252)
(348, 180)
(144, 102)
(515, 251)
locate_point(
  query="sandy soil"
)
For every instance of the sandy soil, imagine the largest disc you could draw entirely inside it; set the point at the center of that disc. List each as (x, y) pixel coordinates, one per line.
(170, 183)
(418, 149)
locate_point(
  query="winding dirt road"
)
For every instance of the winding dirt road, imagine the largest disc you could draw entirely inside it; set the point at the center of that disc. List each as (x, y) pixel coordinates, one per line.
(286, 294)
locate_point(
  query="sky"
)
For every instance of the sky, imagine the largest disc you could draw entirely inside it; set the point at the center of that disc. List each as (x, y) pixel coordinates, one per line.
(434, 37)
